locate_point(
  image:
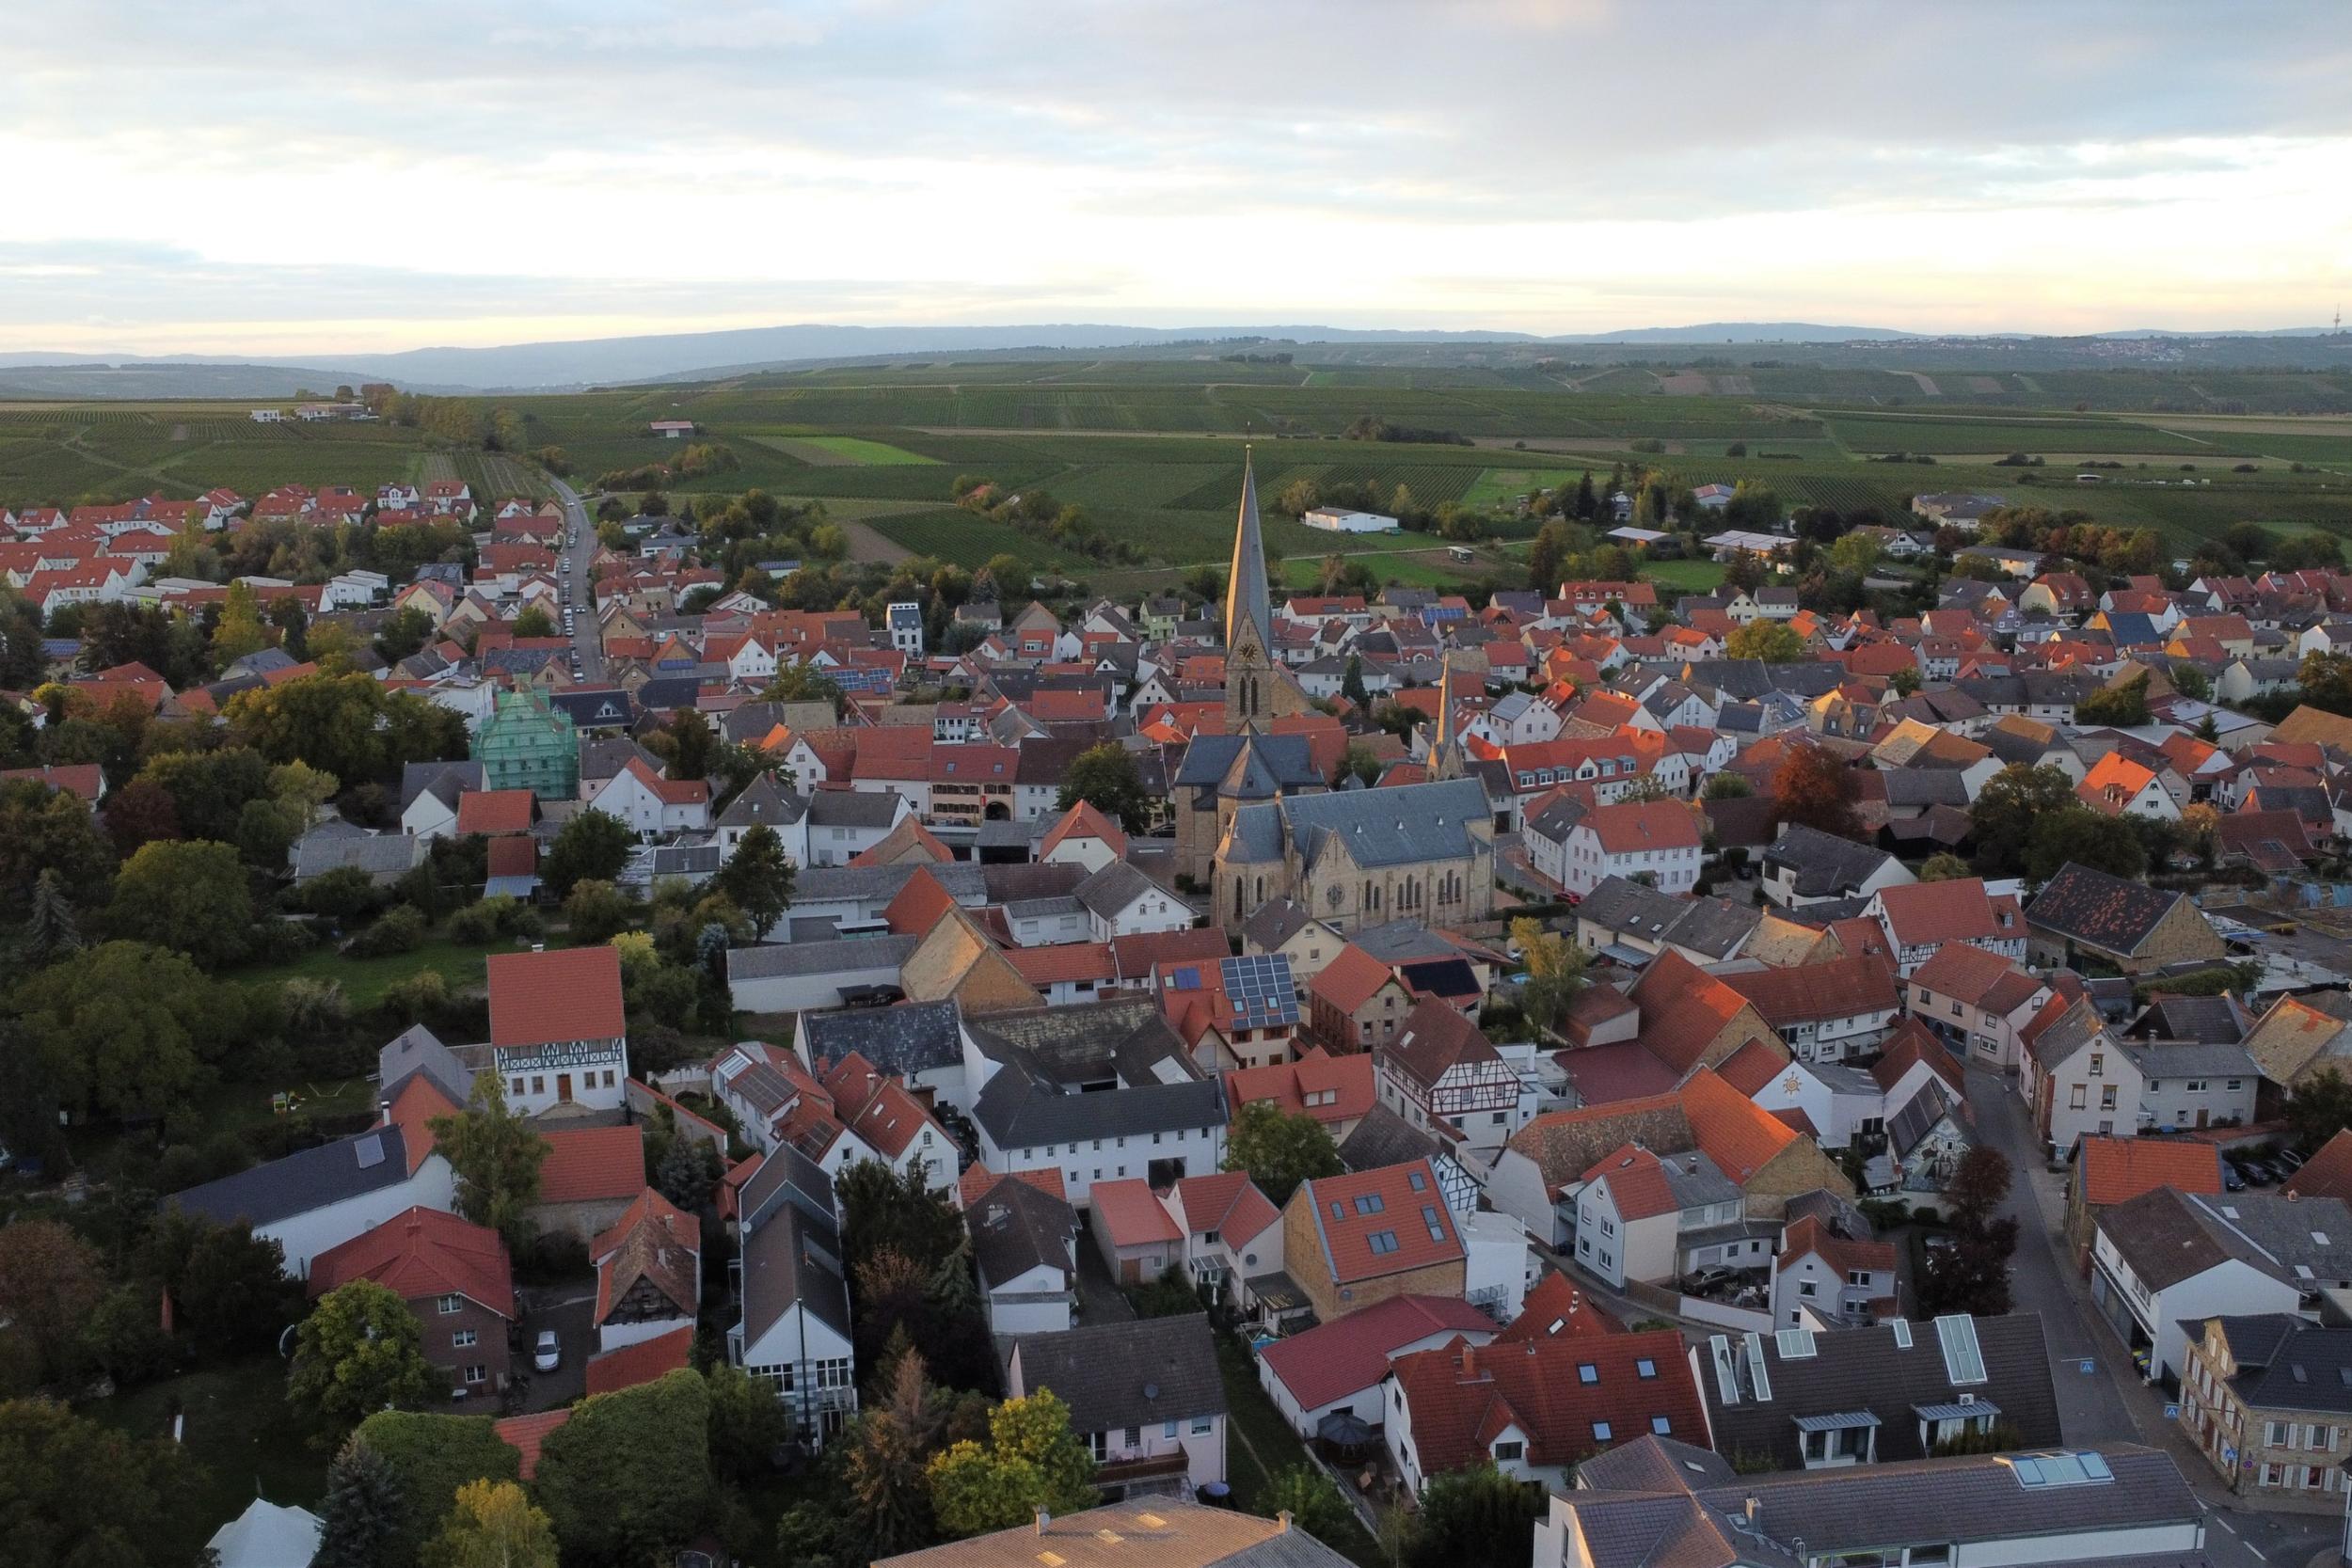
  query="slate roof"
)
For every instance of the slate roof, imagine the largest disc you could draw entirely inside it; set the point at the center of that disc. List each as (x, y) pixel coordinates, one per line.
(793, 1256)
(2097, 909)
(306, 1180)
(774, 960)
(1149, 1532)
(1404, 826)
(2290, 1363)
(1111, 890)
(901, 1041)
(446, 780)
(1273, 762)
(1048, 1053)
(1857, 1369)
(1126, 1374)
(1016, 1225)
(1384, 1138)
(2168, 1236)
(855, 808)
(1825, 866)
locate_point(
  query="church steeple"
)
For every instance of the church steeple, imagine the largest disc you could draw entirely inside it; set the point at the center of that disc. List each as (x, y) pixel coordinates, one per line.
(1246, 591)
(1445, 748)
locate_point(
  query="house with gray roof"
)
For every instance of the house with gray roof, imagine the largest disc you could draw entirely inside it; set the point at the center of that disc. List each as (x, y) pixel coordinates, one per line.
(317, 1198)
(1103, 1091)
(1025, 1244)
(920, 1043)
(1121, 901)
(1144, 1395)
(799, 976)
(428, 796)
(842, 824)
(2122, 1504)
(1808, 1400)
(1807, 866)
(793, 1331)
(2168, 1258)
(336, 844)
(2268, 1403)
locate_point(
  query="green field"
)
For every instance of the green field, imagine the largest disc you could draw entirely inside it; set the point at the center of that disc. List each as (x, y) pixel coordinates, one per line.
(241, 1432)
(366, 980)
(1685, 577)
(854, 450)
(1503, 486)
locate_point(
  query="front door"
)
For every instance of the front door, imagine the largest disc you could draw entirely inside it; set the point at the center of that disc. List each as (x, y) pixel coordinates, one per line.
(564, 1087)
(2200, 1117)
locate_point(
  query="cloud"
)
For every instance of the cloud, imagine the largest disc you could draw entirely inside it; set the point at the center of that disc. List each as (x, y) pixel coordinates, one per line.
(472, 168)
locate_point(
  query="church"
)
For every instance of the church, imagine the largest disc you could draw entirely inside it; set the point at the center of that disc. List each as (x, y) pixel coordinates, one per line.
(1254, 820)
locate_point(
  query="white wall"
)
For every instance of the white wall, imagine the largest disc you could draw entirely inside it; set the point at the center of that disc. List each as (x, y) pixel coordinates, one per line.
(306, 1235)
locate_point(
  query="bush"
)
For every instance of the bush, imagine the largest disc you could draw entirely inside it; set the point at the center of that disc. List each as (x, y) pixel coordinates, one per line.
(419, 999)
(315, 1007)
(401, 930)
(344, 893)
(494, 918)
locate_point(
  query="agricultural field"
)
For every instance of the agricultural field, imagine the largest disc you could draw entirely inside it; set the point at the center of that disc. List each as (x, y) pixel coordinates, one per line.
(844, 451)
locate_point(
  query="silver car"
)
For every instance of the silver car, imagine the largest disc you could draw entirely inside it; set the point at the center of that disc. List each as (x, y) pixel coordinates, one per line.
(547, 1353)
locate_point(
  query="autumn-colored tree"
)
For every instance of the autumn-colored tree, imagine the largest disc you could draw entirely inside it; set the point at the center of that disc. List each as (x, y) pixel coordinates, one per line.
(51, 1280)
(1814, 788)
(1032, 1460)
(493, 1525)
(239, 632)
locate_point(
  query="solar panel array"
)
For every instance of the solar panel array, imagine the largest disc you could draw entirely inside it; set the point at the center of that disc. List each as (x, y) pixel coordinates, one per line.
(1260, 987)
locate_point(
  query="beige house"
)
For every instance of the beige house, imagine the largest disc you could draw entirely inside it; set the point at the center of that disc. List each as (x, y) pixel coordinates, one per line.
(955, 962)
(2278, 1434)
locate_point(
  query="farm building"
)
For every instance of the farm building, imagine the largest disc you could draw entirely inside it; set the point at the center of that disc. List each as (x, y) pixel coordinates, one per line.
(1336, 519)
(671, 429)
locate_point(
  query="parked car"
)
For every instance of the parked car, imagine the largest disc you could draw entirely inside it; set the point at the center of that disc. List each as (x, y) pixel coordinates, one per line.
(547, 1353)
(1709, 1280)
(2231, 1180)
(2256, 1173)
(2286, 1158)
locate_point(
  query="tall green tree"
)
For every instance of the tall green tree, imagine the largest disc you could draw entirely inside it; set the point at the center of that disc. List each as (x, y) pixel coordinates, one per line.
(534, 620)
(2122, 706)
(359, 1351)
(48, 830)
(592, 847)
(51, 1280)
(431, 1457)
(240, 630)
(403, 632)
(1313, 1501)
(360, 1520)
(1279, 1149)
(628, 1477)
(188, 895)
(51, 931)
(884, 1458)
(1106, 778)
(496, 1154)
(1773, 641)
(126, 1029)
(2320, 1107)
(2079, 835)
(2002, 816)
(757, 878)
(1475, 1516)
(78, 1494)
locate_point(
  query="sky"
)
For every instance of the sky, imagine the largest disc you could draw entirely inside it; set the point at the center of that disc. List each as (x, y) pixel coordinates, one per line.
(266, 179)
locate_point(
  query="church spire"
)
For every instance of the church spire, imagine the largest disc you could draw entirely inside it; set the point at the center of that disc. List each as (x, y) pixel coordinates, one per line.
(1445, 748)
(1246, 591)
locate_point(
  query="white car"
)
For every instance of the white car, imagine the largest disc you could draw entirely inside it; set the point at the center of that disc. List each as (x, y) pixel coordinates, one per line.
(547, 1353)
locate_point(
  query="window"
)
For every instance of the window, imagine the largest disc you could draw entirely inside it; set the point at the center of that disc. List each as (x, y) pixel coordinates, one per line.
(1507, 1452)
(538, 1084)
(2195, 1085)
(1133, 1436)
(450, 1304)
(2098, 1064)
(1646, 1367)
(1168, 1429)
(1600, 1431)
(462, 1339)
(2078, 1099)
(1202, 1425)
(1371, 1203)
(516, 1092)
(2107, 1098)
(1588, 1372)
(1662, 1425)
(477, 1374)
(1382, 1243)
(1806, 1289)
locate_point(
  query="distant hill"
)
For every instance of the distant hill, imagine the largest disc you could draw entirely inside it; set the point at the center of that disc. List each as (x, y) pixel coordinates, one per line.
(1739, 332)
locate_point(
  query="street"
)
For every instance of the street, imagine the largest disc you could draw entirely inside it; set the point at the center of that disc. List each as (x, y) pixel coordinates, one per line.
(2110, 1404)
(576, 579)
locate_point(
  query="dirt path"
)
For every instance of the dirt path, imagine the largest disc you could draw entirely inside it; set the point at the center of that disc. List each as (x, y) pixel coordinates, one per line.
(867, 544)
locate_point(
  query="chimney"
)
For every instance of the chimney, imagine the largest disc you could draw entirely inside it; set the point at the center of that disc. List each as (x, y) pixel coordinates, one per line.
(1750, 1510)
(1470, 1359)
(1283, 1522)
(1044, 1519)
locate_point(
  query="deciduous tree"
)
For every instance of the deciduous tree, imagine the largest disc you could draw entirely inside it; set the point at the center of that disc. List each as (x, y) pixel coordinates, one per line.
(757, 878)
(628, 1477)
(1814, 788)
(493, 1525)
(1106, 778)
(1773, 641)
(496, 1155)
(359, 1352)
(191, 897)
(79, 1493)
(51, 1280)
(128, 1029)
(1555, 973)
(1031, 1461)
(593, 846)
(2320, 1107)
(2081, 836)
(1474, 1516)
(431, 1457)
(1279, 1149)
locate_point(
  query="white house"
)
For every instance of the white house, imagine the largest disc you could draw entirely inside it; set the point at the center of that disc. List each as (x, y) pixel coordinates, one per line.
(1025, 1243)
(1145, 1396)
(2169, 1257)
(653, 805)
(1656, 839)
(794, 1330)
(558, 1034)
(1121, 901)
(1834, 1280)
(1340, 1366)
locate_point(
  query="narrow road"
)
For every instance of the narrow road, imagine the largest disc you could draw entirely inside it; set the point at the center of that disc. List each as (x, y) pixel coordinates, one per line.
(581, 548)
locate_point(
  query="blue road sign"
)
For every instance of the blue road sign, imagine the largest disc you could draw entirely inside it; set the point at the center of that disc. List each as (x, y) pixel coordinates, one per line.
(2172, 1412)
(2087, 1366)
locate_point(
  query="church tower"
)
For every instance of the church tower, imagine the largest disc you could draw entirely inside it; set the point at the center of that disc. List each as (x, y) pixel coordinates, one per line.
(1444, 760)
(1251, 676)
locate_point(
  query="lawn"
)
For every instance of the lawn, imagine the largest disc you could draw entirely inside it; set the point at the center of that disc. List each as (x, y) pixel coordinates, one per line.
(239, 1429)
(1502, 486)
(854, 449)
(1425, 569)
(1684, 576)
(366, 980)
(1263, 1445)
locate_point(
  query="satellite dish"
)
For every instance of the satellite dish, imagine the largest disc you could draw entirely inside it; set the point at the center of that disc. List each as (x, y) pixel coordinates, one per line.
(1151, 1390)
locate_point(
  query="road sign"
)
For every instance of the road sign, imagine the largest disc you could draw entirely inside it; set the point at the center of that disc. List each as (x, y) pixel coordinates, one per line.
(2172, 1412)
(2228, 1456)
(2087, 1366)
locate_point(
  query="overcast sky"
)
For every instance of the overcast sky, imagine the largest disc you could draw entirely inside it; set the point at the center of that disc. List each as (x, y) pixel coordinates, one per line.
(275, 178)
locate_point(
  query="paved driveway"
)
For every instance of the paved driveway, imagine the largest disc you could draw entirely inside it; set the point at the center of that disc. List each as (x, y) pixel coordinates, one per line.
(567, 1309)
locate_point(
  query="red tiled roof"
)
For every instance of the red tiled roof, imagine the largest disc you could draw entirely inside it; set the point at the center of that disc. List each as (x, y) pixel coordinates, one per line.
(1968, 975)
(650, 1204)
(84, 779)
(514, 855)
(1841, 1253)
(525, 1434)
(1729, 1128)
(1556, 1309)
(421, 1253)
(1139, 956)
(1083, 820)
(1351, 1211)
(918, 905)
(642, 1362)
(1842, 988)
(1914, 1041)
(569, 993)
(585, 1163)
(1633, 827)
(495, 811)
(2117, 1170)
(1065, 960)
(1460, 1399)
(2326, 1174)
(1750, 1068)
(1683, 1008)
(1331, 1361)
(412, 1111)
(1919, 914)
(1130, 1214)
(1228, 1203)
(974, 1185)
(1352, 979)
(1637, 1185)
(1289, 1084)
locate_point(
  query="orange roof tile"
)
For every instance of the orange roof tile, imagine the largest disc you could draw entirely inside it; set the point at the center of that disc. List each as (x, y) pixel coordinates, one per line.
(1400, 1208)
(642, 1362)
(568, 993)
(424, 1252)
(1130, 1214)
(1731, 1130)
(1556, 1309)
(526, 1433)
(585, 1163)
(2117, 1170)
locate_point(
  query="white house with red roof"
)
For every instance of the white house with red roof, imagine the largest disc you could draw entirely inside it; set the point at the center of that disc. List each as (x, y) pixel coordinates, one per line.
(1651, 1217)
(648, 1273)
(653, 805)
(1821, 1280)
(1233, 1233)
(1921, 918)
(877, 1110)
(558, 1035)
(1657, 839)
(1083, 836)
(1138, 1239)
(1335, 1368)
